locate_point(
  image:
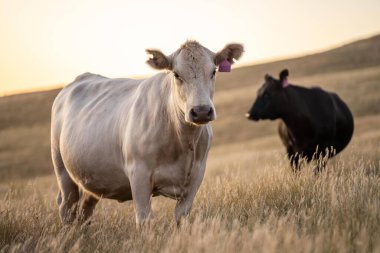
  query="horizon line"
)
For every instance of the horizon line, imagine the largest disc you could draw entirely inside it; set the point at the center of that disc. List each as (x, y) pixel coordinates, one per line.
(268, 60)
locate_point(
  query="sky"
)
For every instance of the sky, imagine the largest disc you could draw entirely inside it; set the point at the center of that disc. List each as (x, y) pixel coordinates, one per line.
(45, 43)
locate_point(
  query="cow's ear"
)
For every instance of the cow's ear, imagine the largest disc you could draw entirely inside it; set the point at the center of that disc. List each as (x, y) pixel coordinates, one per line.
(158, 60)
(284, 78)
(267, 77)
(229, 52)
(283, 75)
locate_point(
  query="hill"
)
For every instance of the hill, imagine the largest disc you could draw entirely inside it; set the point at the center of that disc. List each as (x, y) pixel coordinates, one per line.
(353, 71)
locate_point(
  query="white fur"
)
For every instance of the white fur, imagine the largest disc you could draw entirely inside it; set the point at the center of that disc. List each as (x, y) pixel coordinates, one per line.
(130, 139)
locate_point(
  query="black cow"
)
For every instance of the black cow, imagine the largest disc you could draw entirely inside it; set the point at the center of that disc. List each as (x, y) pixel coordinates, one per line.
(314, 122)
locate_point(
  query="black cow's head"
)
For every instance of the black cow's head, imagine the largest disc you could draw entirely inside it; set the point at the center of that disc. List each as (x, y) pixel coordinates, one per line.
(270, 98)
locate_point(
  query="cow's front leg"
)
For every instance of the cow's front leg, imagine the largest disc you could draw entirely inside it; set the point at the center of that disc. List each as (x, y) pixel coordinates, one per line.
(141, 185)
(183, 208)
(184, 205)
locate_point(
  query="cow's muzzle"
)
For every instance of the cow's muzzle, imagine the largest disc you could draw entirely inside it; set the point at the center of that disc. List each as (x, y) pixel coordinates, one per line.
(252, 116)
(202, 114)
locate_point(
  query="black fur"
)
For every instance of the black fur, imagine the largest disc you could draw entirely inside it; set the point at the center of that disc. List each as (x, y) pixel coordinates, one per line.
(313, 120)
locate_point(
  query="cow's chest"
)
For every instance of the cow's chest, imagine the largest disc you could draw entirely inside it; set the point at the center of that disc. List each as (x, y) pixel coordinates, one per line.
(174, 179)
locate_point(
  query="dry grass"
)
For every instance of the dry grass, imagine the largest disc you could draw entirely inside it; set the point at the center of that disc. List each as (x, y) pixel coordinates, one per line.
(249, 200)
(244, 209)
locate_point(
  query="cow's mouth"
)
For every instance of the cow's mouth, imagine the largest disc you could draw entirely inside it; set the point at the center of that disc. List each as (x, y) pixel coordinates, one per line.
(201, 122)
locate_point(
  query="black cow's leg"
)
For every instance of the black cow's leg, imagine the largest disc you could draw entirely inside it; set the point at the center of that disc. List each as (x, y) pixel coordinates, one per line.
(321, 164)
(294, 159)
(322, 158)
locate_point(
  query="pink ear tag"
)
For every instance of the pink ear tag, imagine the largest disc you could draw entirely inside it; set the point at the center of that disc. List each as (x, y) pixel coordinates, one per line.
(285, 83)
(225, 66)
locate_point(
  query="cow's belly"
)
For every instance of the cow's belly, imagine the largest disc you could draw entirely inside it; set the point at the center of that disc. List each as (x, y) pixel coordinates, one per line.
(103, 181)
(93, 159)
(97, 172)
(109, 183)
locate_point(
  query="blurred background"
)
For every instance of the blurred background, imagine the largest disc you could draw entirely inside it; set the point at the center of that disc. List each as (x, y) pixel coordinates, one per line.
(49, 42)
(45, 44)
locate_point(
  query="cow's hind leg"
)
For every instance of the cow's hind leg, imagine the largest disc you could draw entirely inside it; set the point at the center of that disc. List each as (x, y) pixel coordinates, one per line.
(294, 159)
(70, 198)
(68, 195)
(321, 164)
(322, 159)
(87, 206)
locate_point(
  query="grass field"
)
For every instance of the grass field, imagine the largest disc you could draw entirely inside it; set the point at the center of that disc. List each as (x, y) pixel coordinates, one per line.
(249, 201)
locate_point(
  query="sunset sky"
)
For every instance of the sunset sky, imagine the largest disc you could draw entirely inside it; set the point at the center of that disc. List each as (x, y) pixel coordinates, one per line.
(50, 42)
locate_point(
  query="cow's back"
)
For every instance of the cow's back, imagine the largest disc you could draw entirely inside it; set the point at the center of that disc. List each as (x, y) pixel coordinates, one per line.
(86, 116)
(326, 121)
(317, 105)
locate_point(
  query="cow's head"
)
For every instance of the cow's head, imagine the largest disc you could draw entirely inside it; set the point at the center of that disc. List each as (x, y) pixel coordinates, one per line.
(193, 69)
(270, 99)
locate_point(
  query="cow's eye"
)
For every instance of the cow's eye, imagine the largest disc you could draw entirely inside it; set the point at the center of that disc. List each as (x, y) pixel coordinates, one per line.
(266, 95)
(213, 73)
(177, 76)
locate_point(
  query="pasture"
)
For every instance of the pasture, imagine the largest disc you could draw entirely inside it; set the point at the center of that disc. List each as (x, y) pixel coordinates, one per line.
(249, 200)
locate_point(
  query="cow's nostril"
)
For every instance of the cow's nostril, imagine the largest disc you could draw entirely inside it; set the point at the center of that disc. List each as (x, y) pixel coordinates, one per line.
(210, 112)
(201, 114)
(193, 114)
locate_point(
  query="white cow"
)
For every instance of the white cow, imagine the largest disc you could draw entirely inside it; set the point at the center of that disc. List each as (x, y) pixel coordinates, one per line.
(130, 139)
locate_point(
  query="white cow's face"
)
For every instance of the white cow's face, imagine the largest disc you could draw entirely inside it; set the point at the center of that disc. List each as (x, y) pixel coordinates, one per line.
(193, 69)
(193, 72)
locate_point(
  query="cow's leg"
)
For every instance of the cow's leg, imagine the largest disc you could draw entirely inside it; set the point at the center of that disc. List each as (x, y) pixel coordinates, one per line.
(141, 186)
(183, 208)
(322, 158)
(294, 159)
(184, 205)
(321, 164)
(87, 206)
(68, 194)
(70, 198)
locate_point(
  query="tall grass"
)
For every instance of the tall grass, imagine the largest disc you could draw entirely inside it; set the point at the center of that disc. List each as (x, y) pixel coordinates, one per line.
(241, 210)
